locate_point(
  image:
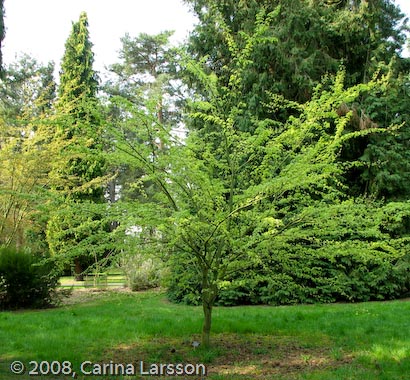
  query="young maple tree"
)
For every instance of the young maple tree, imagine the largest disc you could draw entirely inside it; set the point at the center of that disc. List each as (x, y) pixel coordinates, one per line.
(214, 187)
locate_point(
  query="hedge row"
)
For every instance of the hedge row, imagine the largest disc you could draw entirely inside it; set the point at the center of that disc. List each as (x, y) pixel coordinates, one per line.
(352, 272)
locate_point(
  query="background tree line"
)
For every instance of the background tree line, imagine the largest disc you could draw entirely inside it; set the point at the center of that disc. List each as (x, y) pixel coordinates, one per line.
(265, 161)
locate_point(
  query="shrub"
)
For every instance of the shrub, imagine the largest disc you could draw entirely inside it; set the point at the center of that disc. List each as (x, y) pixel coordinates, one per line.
(142, 272)
(350, 251)
(348, 272)
(26, 280)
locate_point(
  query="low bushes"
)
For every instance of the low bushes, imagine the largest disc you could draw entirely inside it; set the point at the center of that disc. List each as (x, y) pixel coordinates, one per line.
(26, 280)
(347, 272)
(346, 251)
(344, 272)
(142, 272)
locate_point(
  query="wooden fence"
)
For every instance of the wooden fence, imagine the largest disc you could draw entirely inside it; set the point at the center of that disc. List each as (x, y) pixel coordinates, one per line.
(95, 280)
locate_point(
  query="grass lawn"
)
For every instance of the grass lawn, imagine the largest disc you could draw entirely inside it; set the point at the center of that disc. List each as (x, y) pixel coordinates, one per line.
(104, 281)
(365, 341)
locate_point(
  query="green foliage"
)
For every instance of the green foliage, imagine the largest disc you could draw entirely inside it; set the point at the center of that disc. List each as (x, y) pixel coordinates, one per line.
(2, 35)
(200, 195)
(78, 229)
(386, 172)
(348, 272)
(80, 233)
(226, 189)
(352, 251)
(80, 173)
(298, 275)
(26, 162)
(78, 80)
(26, 280)
(26, 155)
(147, 71)
(145, 55)
(312, 38)
(298, 178)
(183, 285)
(239, 181)
(142, 256)
(27, 89)
(261, 202)
(79, 122)
(304, 42)
(144, 90)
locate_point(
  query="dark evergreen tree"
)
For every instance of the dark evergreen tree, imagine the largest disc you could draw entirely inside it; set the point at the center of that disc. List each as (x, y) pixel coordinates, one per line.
(386, 158)
(309, 40)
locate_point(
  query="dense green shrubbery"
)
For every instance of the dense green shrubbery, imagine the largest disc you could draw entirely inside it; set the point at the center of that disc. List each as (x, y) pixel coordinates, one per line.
(302, 275)
(351, 252)
(335, 273)
(26, 281)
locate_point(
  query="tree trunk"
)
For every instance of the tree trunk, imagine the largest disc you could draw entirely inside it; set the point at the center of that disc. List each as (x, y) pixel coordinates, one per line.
(78, 270)
(206, 328)
(209, 294)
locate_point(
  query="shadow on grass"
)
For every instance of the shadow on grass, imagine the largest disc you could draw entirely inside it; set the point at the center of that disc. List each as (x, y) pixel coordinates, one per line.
(234, 356)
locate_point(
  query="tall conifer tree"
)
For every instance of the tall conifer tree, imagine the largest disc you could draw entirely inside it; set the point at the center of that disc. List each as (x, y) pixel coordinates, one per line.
(78, 80)
(79, 175)
(77, 107)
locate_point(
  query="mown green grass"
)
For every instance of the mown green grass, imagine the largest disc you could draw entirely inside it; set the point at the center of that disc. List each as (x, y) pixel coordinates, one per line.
(341, 341)
(103, 281)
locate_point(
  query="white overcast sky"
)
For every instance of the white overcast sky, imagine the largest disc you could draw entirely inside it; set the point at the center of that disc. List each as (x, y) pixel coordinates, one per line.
(41, 27)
